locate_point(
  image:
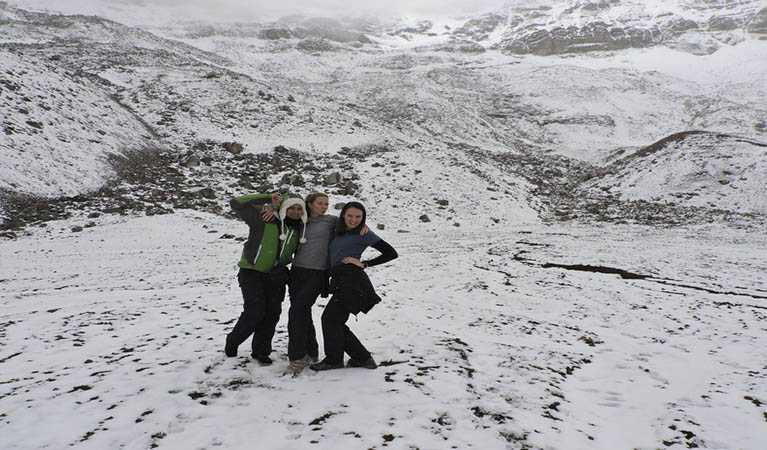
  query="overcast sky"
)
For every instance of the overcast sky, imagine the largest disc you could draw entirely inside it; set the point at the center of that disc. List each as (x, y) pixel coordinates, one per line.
(334, 7)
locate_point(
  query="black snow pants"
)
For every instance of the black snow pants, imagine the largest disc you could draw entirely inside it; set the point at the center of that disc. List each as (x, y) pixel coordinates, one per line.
(337, 336)
(262, 295)
(352, 293)
(305, 286)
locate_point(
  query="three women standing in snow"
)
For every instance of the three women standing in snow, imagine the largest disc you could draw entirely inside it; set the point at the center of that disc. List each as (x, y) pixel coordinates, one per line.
(322, 248)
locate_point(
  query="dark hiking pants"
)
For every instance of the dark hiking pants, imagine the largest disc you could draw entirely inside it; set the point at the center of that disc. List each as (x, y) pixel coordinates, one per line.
(262, 295)
(338, 338)
(305, 286)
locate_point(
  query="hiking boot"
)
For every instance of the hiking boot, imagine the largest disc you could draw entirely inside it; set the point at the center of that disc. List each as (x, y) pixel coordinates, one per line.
(230, 350)
(295, 367)
(366, 364)
(324, 365)
(263, 360)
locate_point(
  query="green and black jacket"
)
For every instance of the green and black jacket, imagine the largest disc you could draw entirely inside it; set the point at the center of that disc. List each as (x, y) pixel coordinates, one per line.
(263, 250)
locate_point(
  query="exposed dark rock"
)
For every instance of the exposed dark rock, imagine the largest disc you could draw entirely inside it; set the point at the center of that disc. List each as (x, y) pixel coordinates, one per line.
(332, 179)
(602, 36)
(677, 26)
(350, 188)
(316, 45)
(275, 34)
(207, 192)
(190, 161)
(457, 47)
(234, 148)
(293, 180)
(758, 24)
(421, 27)
(480, 28)
(597, 36)
(724, 23)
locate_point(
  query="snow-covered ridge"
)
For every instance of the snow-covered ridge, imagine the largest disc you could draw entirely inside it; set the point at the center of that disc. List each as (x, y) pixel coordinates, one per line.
(59, 128)
(553, 27)
(320, 85)
(701, 169)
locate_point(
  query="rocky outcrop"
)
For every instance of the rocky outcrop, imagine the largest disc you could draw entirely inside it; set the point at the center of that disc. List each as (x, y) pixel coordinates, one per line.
(424, 27)
(601, 31)
(597, 36)
(316, 45)
(758, 24)
(327, 29)
(455, 47)
(480, 28)
(153, 181)
(724, 23)
(274, 34)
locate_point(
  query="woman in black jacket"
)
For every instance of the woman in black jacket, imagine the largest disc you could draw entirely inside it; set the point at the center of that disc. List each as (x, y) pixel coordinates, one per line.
(352, 290)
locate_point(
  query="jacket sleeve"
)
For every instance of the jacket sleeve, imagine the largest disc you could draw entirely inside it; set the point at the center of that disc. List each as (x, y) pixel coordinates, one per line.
(387, 253)
(248, 207)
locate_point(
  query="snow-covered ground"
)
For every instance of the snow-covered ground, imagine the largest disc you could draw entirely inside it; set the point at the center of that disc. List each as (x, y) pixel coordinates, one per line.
(496, 330)
(112, 338)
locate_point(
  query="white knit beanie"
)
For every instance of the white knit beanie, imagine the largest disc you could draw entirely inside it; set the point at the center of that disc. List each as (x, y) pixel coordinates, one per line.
(283, 211)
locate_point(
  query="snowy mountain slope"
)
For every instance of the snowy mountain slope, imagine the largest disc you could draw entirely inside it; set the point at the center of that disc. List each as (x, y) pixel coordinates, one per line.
(549, 27)
(263, 92)
(59, 128)
(481, 345)
(61, 119)
(578, 26)
(71, 31)
(503, 102)
(705, 169)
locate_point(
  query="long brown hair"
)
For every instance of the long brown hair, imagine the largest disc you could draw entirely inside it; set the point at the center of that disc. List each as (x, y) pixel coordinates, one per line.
(341, 227)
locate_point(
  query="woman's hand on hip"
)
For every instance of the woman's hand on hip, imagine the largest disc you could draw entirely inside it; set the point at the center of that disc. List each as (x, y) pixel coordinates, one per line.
(352, 260)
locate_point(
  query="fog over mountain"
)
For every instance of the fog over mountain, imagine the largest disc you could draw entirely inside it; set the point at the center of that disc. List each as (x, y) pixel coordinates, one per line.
(242, 10)
(575, 188)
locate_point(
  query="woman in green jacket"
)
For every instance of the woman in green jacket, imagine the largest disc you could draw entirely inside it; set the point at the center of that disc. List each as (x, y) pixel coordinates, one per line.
(263, 273)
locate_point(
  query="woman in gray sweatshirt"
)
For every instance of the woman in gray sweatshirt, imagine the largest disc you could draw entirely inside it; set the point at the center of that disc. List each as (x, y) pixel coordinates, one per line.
(309, 280)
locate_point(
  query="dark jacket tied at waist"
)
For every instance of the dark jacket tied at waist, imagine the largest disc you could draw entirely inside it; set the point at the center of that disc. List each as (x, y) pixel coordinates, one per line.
(352, 287)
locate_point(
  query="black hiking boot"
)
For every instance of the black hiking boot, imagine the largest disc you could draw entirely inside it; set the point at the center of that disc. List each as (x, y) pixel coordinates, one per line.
(324, 365)
(263, 360)
(230, 350)
(369, 363)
